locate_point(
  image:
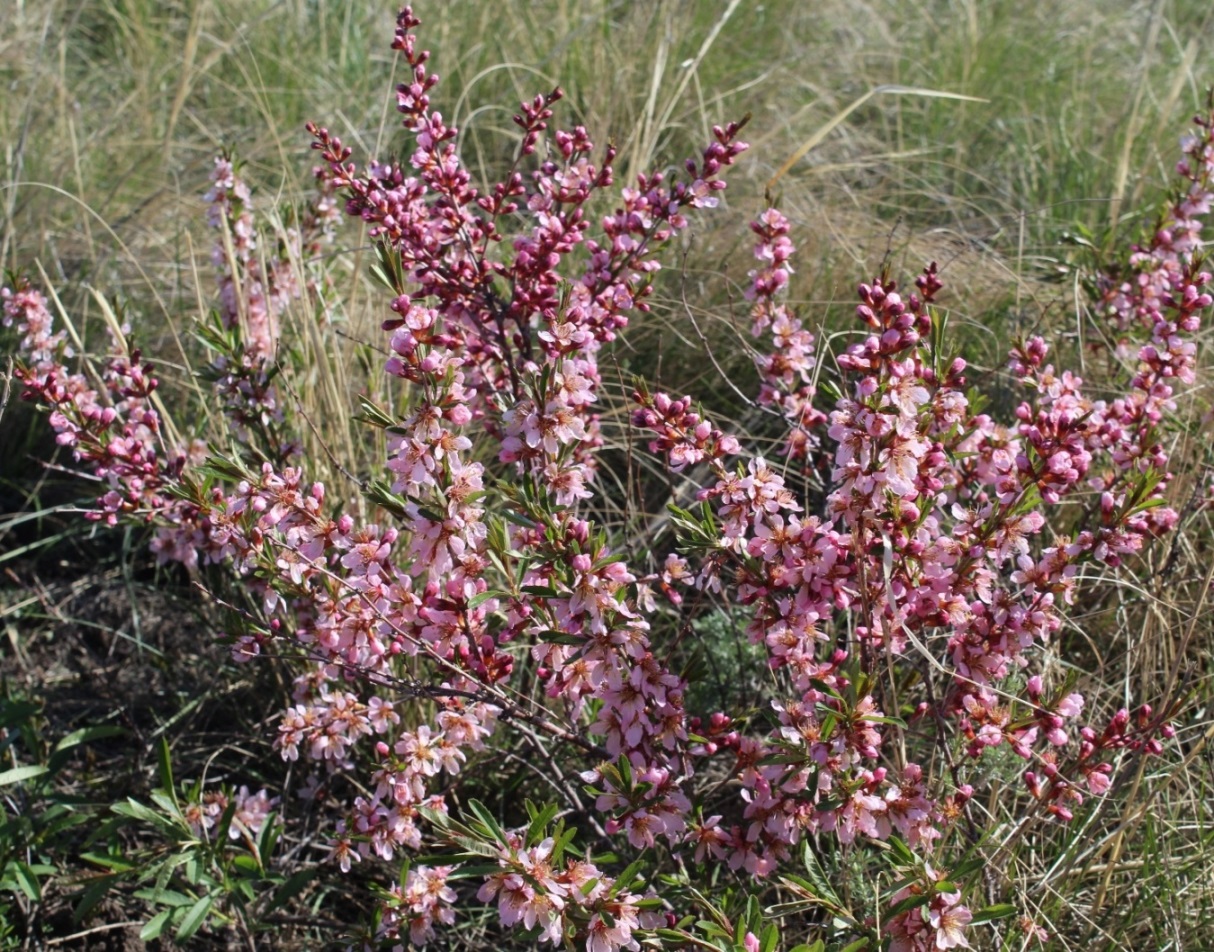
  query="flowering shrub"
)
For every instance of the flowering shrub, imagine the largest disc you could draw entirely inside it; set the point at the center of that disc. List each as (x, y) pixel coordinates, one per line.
(902, 559)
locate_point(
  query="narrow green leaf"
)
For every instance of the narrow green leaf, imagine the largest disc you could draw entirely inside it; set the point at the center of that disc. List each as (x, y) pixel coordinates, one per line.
(624, 881)
(246, 864)
(968, 867)
(155, 925)
(88, 734)
(165, 762)
(26, 879)
(885, 719)
(21, 774)
(90, 897)
(225, 822)
(1000, 910)
(491, 824)
(374, 414)
(164, 897)
(270, 832)
(816, 875)
(902, 851)
(909, 903)
(194, 918)
(13, 712)
(63, 750)
(166, 803)
(754, 914)
(539, 823)
(104, 860)
(553, 637)
(291, 888)
(476, 601)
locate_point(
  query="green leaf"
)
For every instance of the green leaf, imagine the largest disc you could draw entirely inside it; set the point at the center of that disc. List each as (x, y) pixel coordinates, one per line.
(155, 925)
(553, 637)
(270, 831)
(225, 822)
(712, 930)
(379, 493)
(1000, 910)
(969, 866)
(138, 811)
(167, 803)
(477, 600)
(14, 712)
(488, 820)
(624, 766)
(518, 519)
(85, 735)
(26, 880)
(909, 903)
(90, 897)
(885, 719)
(902, 851)
(291, 888)
(817, 876)
(373, 414)
(193, 869)
(88, 734)
(771, 938)
(539, 822)
(246, 864)
(754, 914)
(856, 946)
(165, 762)
(164, 897)
(194, 918)
(541, 591)
(472, 870)
(563, 839)
(624, 881)
(21, 774)
(118, 863)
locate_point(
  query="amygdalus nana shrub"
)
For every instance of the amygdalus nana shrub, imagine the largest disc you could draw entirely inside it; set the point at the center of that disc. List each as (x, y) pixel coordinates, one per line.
(902, 559)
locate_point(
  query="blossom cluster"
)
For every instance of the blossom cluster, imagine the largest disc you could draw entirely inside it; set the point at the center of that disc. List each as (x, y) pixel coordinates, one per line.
(256, 285)
(556, 900)
(249, 812)
(786, 373)
(1159, 271)
(108, 418)
(901, 597)
(927, 538)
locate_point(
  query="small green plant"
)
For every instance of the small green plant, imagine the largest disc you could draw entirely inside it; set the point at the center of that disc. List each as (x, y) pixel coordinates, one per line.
(40, 827)
(206, 859)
